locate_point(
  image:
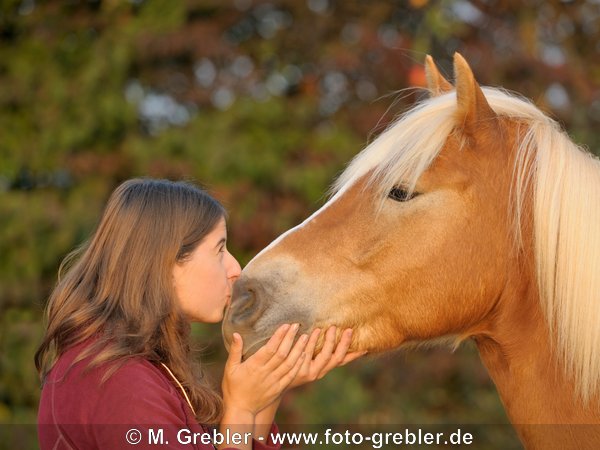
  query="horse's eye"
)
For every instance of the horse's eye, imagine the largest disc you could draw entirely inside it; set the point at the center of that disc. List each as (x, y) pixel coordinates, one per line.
(400, 194)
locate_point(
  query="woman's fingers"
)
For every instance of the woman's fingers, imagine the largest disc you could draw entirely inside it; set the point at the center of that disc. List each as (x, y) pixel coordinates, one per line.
(310, 351)
(340, 352)
(290, 360)
(326, 351)
(291, 374)
(287, 342)
(343, 346)
(316, 365)
(267, 351)
(280, 355)
(283, 362)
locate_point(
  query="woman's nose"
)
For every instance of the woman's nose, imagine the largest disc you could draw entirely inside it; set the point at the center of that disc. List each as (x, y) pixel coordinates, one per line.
(235, 269)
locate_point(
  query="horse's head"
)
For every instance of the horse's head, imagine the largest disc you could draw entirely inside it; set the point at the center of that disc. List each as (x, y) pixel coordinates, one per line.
(473, 215)
(415, 243)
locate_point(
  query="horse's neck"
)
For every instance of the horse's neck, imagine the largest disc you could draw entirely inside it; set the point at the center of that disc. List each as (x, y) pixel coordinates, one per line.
(515, 347)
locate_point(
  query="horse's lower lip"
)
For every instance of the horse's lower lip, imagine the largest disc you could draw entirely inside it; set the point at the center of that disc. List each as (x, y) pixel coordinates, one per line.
(251, 349)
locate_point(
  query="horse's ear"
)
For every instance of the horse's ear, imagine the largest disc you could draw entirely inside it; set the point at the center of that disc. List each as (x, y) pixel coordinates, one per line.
(471, 103)
(436, 83)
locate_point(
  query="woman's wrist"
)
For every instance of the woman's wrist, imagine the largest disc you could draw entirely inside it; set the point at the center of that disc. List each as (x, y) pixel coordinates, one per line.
(264, 420)
(238, 420)
(267, 414)
(238, 414)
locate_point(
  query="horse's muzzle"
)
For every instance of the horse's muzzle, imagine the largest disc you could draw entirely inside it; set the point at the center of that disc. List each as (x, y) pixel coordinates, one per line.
(257, 309)
(242, 315)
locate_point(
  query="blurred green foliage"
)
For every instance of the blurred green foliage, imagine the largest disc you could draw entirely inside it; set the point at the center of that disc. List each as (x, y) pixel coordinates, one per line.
(263, 103)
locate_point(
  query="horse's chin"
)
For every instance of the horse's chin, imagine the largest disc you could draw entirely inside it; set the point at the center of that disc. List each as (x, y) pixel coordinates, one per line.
(252, 348)
(253, 342)
(249, 349)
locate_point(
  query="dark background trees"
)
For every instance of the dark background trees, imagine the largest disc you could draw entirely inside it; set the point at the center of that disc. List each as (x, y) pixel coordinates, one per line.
(263, 103)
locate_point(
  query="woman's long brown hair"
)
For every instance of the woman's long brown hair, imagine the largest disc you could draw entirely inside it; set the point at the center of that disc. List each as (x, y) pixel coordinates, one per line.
(119, 286)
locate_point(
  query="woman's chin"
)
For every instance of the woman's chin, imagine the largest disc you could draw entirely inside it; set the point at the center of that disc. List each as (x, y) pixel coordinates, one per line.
(217, 319)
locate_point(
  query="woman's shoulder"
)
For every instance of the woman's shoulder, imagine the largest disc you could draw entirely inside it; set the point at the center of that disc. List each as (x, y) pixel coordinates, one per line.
(140, 390)
(73, 366)
(78, 407)
(134, 389)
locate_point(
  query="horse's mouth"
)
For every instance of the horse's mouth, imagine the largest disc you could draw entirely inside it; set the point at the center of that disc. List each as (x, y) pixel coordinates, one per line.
(252, 349)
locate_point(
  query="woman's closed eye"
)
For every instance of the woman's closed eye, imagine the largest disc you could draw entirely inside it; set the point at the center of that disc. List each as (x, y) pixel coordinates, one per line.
(221, 246)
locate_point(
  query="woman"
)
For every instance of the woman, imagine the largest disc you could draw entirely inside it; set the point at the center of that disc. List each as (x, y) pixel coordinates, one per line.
(115, 361)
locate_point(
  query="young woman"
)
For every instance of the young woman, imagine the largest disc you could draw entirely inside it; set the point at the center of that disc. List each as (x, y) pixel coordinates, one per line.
(115, 362)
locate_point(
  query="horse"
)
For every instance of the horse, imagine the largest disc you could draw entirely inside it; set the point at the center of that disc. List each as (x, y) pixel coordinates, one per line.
(472, 216)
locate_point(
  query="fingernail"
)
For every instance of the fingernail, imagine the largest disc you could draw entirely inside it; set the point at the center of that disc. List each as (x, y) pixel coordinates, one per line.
(349, 332)
(296, 326)
(304, 337)
(286, 326)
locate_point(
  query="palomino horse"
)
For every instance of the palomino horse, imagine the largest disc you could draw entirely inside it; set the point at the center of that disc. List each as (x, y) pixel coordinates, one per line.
(473, 216)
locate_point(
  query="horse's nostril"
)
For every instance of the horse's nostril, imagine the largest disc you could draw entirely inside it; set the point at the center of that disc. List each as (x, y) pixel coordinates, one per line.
(243, 306)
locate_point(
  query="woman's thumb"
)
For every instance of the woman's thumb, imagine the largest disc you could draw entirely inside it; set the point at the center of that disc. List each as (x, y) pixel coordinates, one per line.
(235, 349)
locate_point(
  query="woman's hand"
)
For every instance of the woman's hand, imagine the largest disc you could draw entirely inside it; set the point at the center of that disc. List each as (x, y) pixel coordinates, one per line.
(329, 357)
(252, 385)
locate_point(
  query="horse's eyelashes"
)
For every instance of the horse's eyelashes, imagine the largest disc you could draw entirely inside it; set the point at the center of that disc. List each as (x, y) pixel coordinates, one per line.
(400, 194)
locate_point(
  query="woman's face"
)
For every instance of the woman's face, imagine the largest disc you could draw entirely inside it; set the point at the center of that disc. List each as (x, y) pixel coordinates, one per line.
(204, 281)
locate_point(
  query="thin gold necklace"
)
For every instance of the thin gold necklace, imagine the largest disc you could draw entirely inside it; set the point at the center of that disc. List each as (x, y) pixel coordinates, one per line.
(180, 387)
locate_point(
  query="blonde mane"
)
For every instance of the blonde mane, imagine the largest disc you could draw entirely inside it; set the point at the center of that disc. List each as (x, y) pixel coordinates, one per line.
(565, 181)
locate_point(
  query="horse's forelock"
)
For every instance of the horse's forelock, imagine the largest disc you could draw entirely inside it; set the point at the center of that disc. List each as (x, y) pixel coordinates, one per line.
(408, 146)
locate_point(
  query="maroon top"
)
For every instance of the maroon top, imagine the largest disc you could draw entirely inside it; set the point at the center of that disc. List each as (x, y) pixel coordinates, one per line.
(136, 403)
